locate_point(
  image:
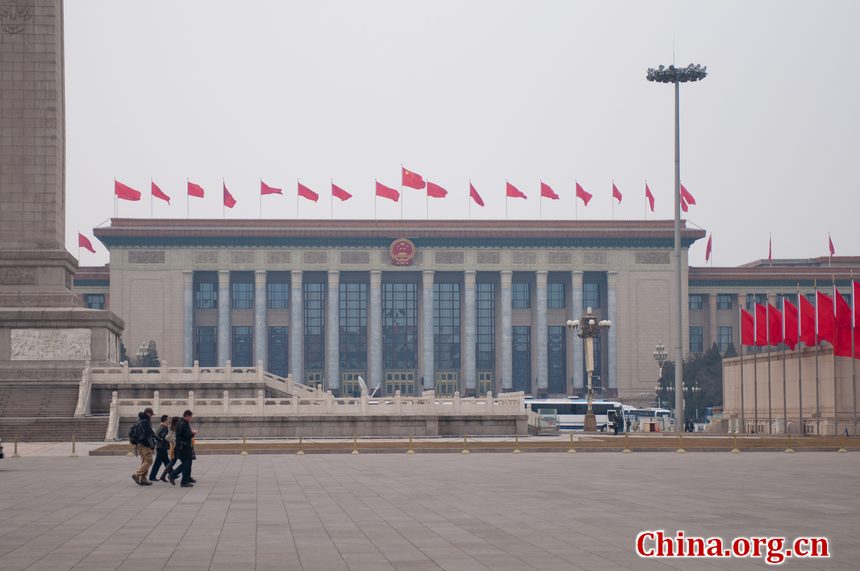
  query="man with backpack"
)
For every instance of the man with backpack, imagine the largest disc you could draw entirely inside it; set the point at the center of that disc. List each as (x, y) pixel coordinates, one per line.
(140, 435)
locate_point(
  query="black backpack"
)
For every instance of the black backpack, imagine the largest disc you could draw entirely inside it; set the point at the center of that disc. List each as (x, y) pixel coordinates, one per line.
(135, 433)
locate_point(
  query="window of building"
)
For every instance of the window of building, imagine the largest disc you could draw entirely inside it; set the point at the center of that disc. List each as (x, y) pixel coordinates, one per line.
(756, 298)
(241, 294)
(278, 350)
(94, 300)
(781, 297)
(724, 338)
(520, 293)
(697, 339)
(555, 295)
(400, 325)
(522, 358)
(725, 300)
(242, 354)
(446, 326)
(314, 321)
(206, 294)
(696, 301)
(557, 360)
(590, 295)
(205, 346)
(810, 297)
(353, 326)
(278, 291)
(485, 307)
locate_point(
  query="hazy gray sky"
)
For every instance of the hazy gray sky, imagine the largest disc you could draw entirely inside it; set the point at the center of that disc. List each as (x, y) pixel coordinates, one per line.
(487, 90)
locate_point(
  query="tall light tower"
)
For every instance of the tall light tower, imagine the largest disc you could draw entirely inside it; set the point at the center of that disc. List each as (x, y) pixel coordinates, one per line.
(678, 75)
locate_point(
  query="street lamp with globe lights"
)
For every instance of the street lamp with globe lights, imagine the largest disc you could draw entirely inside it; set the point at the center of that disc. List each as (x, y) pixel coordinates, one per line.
(587, 328)
(661, 356)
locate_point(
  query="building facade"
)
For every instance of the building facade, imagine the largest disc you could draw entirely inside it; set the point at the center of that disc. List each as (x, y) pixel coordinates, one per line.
(468, 306)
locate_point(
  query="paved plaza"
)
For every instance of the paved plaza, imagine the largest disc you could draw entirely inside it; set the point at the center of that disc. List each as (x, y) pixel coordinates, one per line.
(427, 511)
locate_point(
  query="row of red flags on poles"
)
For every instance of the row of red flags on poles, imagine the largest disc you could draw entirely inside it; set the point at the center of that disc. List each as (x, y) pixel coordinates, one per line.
(408, 179)
(829, 319)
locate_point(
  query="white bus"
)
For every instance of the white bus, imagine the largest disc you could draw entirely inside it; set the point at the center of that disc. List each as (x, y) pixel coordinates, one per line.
(571, 411)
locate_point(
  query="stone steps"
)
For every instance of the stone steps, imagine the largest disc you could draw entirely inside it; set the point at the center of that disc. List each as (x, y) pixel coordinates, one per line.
(22, 401)
(52, 429)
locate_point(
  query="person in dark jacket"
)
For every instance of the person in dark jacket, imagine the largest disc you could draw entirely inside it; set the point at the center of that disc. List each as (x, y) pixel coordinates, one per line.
(144, 444)
(161, 446)
(184, 451)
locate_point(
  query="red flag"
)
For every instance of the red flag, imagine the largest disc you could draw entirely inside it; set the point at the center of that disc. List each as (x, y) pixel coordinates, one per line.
(158, 193)
(708, 248)
(473, 194)
(791, 334)
(583, 194)
(125, 192)
(825, 317)
(685, 194)
(684, 206)
(649, 196)
(340, 193)
(229, 201)
(774, 325)
(84, 242)
(513, 192)
(855, 293)
(830, 243)
(435, 191)
(411, 179)
(842, 347)
(387, 192)
(195, 190)
(266, 189)
(760, 325)
(547, 192)
(807, 322)
(747, 328)
(616, 194)
(306, 192)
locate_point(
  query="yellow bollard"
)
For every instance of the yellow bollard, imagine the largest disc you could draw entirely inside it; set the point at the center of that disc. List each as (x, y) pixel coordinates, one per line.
(15, 450)
(465, 446)
(244, 451)
(354, 444)
(680, 449)
(410, 450)
(517, 443)
(571, 450)
(301, 447)
(842, 449)
(789, 450)
(626, 444)
(735, 449)
(73, 454)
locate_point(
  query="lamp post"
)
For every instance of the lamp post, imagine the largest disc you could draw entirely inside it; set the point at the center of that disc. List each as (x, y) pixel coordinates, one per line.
(589, 328)
(661, 356)
(678, 75)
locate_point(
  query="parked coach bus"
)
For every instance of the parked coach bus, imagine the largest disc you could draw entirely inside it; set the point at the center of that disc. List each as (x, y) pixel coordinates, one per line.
(571, 411)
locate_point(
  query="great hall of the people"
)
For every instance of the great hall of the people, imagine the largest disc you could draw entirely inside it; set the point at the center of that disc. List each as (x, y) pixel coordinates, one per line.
(451, 305)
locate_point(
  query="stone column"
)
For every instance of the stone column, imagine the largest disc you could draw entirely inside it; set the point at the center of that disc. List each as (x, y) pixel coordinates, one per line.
(297, 328)
(507, 332)
(374, 331)
(188, 318)
(332, 332)
(260, 333)
(712, 319)
(223, 317)
(541, 336)
(427, 328)
(612, 311)
(470, 372)
(576, 312)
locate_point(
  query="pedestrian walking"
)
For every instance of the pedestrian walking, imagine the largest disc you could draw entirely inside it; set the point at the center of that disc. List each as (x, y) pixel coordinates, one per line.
(184, 451)
(162, 457)
(141, 436)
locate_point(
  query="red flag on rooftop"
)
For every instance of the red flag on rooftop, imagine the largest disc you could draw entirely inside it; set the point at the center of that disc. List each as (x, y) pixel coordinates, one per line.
(513, 192)
(583, 194)
(685, 194)
(616, 194)
(807, 322)
(790, 320)
(195, 190)
(649, 196)
(340, 193)
(825, 317)
(125, 192)
(830, 244)
(435, 191)
(411, 179)
(774, 325)
(84, 242)
(307, 193)
(387, 192)
(546, 191)
(229, 201)
(760, 325)
(158, 193)
(473, 194)
(266, 189)
(842, 346)
(708, 248)
(747, 328)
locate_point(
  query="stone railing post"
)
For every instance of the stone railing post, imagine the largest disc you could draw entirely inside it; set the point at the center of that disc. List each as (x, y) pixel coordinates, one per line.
(156, 401)
(489, 403)
(261, 403)
(228, 370)
(363, 402)
(113, 419)
(294, 404)
(457, 402)
(125, 370)
(398, 402)
(84, 391)
(329, 402)
(191, 400)
(195, 371)
(225, 402)
(260, 371)
(162, 370)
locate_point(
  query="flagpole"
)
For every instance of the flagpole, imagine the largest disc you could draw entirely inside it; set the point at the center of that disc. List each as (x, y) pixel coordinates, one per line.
(223, 205)
(115, 201)
(646, 203)
(261, 199)
(799, 368)
(853, 353)
(833, 359)
(817, 377)
(575, 202)
(769, 403)
(427, 205)
(150, 197)
(540, 206)
(784, 382)
(331, 199)
(741, 345)
(755, 371)
(297, 199)
(469, 200)
(374, 200)
(187, 204)
(402, 198)
(612, 200)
